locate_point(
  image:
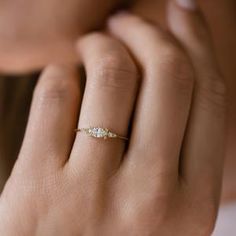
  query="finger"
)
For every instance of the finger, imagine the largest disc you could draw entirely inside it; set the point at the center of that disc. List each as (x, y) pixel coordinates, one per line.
(50, 130)
(108, 103)
(164, 102)
(204, 145)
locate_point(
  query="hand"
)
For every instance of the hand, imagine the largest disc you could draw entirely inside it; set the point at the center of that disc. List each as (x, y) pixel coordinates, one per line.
(36, 33)
(166, 180)
(221, 18)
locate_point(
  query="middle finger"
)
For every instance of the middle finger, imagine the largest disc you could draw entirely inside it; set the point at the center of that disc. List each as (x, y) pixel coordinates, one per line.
(164, 103)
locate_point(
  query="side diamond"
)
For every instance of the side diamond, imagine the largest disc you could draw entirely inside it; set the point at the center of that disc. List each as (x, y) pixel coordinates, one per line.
(111, 135)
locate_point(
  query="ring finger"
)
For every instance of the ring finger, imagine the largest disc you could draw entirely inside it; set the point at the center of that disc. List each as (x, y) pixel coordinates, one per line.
(107, 103)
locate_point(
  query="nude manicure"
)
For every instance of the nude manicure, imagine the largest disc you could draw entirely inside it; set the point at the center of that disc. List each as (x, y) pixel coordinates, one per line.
(187, 4)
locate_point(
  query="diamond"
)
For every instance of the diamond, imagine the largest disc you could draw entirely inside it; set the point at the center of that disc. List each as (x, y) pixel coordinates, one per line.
(98, 132)
(111, 135)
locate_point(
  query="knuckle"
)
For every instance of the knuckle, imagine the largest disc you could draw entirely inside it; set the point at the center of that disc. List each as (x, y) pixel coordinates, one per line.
(174, 60)
(175, 67)
(212, 92)
(166, 57)
(56, 88)
(115, 71)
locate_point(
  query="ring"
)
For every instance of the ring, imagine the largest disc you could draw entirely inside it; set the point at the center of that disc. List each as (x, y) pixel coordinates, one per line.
(98, 132)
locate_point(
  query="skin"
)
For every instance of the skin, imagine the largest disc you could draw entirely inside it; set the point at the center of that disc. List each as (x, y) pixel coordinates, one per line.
(69, 185)
(22, 51)
(220, 17)
(53, 27)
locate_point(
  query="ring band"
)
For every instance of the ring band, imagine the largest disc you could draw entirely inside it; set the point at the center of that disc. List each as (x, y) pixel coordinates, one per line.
(98, 132)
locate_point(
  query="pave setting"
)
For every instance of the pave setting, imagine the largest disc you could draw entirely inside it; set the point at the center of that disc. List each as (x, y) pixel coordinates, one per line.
(97, 132)
(101, 133)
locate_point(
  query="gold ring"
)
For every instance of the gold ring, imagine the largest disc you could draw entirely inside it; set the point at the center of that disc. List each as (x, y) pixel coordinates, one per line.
(98, 132)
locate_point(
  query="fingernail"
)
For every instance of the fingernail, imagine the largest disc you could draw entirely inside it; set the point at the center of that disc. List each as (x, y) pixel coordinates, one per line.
(120, 14)
(187, 4)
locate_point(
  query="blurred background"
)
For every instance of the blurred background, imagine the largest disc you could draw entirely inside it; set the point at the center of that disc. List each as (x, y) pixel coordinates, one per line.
(35, 33)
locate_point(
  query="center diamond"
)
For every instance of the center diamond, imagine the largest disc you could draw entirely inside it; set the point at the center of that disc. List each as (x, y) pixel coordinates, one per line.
(98, 132)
